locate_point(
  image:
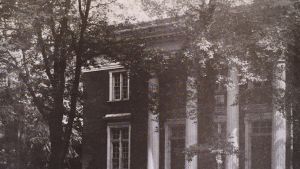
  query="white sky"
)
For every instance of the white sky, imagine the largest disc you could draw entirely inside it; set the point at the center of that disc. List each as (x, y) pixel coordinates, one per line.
(129, 9)
(134, 9)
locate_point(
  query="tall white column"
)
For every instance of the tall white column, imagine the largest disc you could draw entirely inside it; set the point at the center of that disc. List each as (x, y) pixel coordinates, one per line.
(191, 129)
(232, 161)
(153, 123)
(279, 121)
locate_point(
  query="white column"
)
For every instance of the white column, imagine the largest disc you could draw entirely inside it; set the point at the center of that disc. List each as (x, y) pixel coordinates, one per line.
(232, 161)
(153, 123)
(191, 136)
(279, 121)
(248, 126)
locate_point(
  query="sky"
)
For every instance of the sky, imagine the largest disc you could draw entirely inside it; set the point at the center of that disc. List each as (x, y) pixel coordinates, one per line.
(129, 9)
(134, 9)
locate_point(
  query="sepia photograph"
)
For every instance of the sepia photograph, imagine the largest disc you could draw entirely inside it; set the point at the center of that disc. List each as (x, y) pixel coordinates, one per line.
(149, 84)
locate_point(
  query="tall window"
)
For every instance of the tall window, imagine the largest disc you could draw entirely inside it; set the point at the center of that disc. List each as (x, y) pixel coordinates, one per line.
(119, 85)
(220, 130)
(258, 139)
(261, 144)
(220, 100)
(175, 144)
(118, 147)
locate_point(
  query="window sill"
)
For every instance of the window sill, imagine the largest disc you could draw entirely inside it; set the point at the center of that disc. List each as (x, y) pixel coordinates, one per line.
(113, 101)
(117, 116)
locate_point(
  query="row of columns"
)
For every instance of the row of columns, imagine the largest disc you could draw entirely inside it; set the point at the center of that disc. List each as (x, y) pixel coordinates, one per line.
(191, 137)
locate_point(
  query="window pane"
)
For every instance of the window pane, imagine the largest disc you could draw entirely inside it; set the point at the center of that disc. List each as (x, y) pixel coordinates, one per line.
(125, 92)
(261, 152)
(178, 132)
(220, 99)
(116, 85)
(220, 129)
(115, 155)
(177, 146)
(117, 93)
(115, 164)
(120, 147)
(116, 150)
(120, 86)
(262, 127)
(125, 133)
(125, 155)
(115, 133)
(125, 85)
(125, 79)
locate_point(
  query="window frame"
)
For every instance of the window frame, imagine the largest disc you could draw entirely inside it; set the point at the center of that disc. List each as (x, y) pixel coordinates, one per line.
(220, 99)
(169, 124)
(109, 152)
(248, 121)
(111, 85)
(220, 120)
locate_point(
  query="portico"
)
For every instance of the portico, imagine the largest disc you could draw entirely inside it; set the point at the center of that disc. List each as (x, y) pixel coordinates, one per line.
(255, 127)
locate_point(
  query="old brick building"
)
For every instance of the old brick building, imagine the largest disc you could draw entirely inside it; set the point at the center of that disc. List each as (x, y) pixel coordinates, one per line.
(146, 122)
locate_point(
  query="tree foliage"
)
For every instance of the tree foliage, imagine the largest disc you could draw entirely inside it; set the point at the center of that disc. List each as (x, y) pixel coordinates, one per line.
(47, 43)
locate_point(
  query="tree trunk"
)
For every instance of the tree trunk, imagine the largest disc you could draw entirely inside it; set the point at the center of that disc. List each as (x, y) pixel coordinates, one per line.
(57, 155)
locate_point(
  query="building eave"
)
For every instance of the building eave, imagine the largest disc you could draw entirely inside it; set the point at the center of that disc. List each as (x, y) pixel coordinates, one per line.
(111, 66)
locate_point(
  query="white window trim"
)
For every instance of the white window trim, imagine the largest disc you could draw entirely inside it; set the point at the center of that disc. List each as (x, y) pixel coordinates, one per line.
(221, 98)
(109, 147)
(218, 120)
(249, 119)
(168, 132)
(111, 96)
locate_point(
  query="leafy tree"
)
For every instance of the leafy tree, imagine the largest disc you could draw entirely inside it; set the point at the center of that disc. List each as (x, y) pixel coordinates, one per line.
(48, 43)
(24, 135)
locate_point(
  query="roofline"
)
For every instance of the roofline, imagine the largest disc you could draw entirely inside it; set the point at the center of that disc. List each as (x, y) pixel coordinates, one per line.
(147, 26)
(104, 67)
(166, 22)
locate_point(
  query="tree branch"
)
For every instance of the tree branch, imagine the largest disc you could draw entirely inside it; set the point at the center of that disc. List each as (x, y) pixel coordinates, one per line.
(44, 54)
(25, 78)
(79, 63)
(80, 9)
